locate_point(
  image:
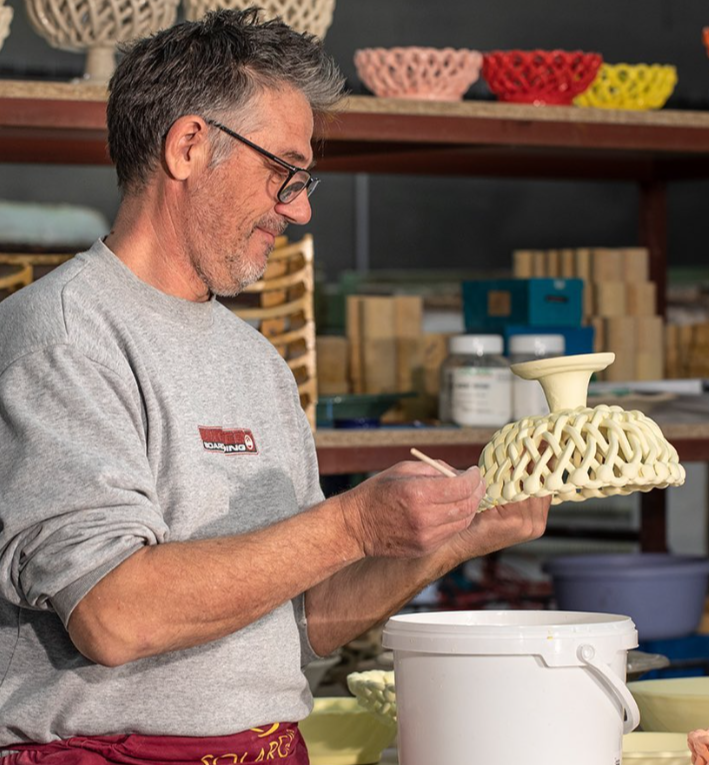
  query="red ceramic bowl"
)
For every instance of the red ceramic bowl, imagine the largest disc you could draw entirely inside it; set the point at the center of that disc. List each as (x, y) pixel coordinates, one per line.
(540, 76)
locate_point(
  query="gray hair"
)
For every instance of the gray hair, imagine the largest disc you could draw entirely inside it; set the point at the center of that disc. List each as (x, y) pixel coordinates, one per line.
(210, 67)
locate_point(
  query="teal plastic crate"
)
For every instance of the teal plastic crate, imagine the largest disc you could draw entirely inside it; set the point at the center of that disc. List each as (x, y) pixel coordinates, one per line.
(493, 304)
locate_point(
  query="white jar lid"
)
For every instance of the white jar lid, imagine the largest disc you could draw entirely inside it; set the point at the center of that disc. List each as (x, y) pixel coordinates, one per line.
(538, 345)
(476, 345)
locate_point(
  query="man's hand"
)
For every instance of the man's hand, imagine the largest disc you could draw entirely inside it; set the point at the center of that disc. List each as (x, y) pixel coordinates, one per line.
(698, 743)
(503, 526)
(411, 510)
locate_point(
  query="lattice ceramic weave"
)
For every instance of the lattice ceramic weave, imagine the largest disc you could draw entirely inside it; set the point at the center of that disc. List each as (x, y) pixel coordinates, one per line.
(98, 25)
(430, 73)
(5, 19)
(576, 451)
(376, 692)
(574, 455)
(540, 76)
(313, 16)
(630, 86)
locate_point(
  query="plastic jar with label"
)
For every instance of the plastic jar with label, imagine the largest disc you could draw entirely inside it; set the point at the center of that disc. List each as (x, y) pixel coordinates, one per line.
(528, 397)
(476, 383)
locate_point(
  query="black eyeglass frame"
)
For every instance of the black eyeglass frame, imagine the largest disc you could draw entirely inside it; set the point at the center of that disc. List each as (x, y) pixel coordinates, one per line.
(309, 186)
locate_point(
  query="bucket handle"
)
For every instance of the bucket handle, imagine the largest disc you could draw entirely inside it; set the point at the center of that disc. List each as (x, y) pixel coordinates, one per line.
(586, 654)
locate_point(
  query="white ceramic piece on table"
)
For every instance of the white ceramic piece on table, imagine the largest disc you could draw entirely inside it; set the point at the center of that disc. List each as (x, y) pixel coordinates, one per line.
(312, 16)
(5, 19)
(375, 690)
(575, 452)
(643, 748)
(341, 732)
(97, 26)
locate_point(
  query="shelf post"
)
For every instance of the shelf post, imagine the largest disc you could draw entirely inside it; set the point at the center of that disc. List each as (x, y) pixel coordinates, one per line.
(653, 235)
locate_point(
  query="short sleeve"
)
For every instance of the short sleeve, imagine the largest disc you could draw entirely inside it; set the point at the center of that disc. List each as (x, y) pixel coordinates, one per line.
(77, 495)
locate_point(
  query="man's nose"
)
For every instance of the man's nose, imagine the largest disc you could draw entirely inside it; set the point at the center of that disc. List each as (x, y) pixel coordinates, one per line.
(298, 211)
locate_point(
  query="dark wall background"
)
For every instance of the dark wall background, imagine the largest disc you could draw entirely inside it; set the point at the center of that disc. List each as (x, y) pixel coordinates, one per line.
(446, 223)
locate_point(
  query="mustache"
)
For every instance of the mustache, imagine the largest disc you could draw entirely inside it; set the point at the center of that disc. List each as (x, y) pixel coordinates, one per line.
(273, 224)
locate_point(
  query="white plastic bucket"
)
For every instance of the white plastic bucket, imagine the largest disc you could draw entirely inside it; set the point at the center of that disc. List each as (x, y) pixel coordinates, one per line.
(502, 687)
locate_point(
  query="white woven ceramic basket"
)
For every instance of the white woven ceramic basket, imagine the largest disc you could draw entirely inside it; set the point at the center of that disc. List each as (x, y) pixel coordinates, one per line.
(5, 19)
(313, 16)
(97, 26)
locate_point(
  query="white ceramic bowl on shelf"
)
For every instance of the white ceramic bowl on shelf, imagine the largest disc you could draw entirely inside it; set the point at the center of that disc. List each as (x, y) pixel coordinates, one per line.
(312, 16)
(97, 27)
(5, 19)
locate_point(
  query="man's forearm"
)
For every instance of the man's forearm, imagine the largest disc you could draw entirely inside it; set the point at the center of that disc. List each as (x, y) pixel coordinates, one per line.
(367, 592)
(364, 594)
(182, 594)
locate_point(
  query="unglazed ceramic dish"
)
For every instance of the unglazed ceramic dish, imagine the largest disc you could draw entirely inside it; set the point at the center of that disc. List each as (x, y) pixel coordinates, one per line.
(655, 749)
(5, 19)
(375, 691)
(312, 16)
(673, 704)
(339, 731)
(576, 451)
(97, 26)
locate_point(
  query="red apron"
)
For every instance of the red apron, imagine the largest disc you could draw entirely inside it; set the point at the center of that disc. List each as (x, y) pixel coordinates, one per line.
(280, 744)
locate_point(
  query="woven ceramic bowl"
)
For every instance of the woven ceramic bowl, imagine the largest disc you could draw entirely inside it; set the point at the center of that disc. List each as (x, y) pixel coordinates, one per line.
(376, 692)
(540, 77)
(97, 26)
(5, 19)
(656, 749)
(630, 86)
(436, 74)
(341, 732)
(312, 16)
(672, 704)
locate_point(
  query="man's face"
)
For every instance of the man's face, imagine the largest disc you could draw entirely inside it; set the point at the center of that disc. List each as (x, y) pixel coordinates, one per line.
(234, 215)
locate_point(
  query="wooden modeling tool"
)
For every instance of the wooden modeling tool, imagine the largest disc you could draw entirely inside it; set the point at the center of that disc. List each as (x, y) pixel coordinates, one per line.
(437, 465)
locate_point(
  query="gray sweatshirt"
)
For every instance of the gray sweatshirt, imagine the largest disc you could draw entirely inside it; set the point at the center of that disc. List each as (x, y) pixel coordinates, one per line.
(127, 418)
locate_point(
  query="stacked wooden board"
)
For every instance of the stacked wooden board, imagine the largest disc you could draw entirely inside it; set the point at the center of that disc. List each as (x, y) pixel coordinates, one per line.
(620, 302)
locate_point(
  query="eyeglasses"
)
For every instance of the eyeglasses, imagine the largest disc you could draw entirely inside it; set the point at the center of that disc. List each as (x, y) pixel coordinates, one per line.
(297, 180)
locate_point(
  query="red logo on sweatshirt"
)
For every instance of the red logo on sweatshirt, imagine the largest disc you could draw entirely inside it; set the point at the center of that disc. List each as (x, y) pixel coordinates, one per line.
(228, 440)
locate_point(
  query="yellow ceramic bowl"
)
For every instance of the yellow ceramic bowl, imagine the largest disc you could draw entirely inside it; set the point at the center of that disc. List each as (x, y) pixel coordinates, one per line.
(656, 749)
(339, 731)
(672, 704)
(630, 86)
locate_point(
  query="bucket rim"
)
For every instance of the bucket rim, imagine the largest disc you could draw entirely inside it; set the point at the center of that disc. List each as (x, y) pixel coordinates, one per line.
(476, 633)
(505, 619)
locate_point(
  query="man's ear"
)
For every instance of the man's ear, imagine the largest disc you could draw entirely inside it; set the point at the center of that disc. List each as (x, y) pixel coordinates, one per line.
(187, 148)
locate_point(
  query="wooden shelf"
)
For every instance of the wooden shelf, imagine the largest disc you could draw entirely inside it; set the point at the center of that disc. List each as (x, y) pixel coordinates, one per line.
(363, 451)
(65, 123)
(61, 123)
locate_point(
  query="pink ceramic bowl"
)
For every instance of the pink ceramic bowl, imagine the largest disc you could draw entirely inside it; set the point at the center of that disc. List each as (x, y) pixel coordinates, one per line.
(437, 74)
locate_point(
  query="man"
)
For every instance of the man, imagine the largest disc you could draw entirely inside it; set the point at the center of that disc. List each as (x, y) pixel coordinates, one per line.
(158, 596)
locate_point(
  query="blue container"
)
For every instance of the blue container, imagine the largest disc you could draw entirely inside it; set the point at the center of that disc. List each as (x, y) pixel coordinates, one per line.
(664, 594)
(490, 305)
